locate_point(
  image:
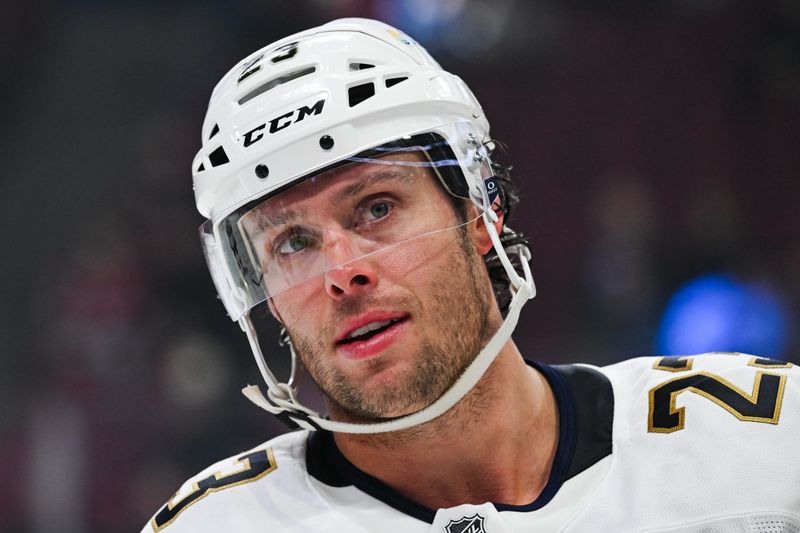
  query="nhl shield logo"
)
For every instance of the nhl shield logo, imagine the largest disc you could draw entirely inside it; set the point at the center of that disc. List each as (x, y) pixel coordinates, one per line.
(468, 524)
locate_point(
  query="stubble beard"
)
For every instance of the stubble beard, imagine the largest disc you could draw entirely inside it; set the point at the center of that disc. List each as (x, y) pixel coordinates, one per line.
(460, 311)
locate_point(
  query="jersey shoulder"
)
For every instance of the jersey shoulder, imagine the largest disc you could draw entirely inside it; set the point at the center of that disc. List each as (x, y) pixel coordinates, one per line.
(720, 362)
(725, 368)
(747, 387)
(221, 497)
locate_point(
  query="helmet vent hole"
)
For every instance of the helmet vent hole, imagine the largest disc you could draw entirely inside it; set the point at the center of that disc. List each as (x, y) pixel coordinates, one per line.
(275, 82)
(285, 52)
(214, 131)
(359, 93)
(218, 157)
(360, 66)
(391, 82)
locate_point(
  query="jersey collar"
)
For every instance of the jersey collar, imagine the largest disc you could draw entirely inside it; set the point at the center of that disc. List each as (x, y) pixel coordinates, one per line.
(585, 411)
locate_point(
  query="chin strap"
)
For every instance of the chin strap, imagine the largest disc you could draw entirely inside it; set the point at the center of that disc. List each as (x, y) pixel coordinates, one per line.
(281, 399)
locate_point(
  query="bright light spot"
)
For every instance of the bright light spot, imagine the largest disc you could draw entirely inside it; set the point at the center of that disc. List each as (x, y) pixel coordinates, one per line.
(715, 312)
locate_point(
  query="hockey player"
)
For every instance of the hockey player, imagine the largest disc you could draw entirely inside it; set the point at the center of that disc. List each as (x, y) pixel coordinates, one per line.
(350, 195)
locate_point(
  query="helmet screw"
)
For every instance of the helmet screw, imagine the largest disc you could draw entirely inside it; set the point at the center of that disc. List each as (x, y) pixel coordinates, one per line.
(326, 142)
(262, 171)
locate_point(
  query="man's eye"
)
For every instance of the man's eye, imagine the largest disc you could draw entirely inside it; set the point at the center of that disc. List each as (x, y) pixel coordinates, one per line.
(379, 210)
(294, 244)
(373, 211)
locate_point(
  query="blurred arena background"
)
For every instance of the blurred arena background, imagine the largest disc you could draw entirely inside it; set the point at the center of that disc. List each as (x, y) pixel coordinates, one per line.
(656, 143)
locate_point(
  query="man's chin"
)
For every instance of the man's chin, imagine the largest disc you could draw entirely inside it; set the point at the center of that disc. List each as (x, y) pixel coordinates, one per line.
(380, 409)
(369, 414)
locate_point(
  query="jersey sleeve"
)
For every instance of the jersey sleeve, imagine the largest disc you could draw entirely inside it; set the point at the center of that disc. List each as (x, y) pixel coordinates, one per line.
(242, 469)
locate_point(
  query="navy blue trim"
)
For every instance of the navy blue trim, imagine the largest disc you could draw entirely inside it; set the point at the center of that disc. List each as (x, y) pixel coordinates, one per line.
(584, 437)
(327, 464)
(594, 415)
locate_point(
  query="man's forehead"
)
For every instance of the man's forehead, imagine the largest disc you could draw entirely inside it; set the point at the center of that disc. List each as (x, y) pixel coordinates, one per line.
(403, 166)
(338, 183)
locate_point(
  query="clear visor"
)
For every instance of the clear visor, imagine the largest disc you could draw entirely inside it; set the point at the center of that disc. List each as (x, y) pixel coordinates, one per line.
(391, 202)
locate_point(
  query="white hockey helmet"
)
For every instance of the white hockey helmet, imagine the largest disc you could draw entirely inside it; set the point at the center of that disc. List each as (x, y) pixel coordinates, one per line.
(353, 91)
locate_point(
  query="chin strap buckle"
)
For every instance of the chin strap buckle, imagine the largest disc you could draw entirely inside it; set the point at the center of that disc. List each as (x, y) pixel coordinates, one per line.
(297, 421)
(293, 419)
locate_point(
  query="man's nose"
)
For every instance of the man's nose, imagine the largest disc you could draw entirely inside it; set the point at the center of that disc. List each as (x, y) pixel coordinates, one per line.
(352, 275)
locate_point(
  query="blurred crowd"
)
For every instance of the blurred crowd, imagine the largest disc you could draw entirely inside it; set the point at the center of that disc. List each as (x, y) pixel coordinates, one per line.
(656, 145)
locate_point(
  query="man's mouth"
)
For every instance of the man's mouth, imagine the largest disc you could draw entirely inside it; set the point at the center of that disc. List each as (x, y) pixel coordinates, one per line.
(367, 331)
(371, 334)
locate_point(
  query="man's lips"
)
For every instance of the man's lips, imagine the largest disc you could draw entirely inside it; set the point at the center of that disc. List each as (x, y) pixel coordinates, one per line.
(364, 326)
(375, 342)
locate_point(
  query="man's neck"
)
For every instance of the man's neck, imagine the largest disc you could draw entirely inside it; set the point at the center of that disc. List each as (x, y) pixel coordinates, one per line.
(497, 444)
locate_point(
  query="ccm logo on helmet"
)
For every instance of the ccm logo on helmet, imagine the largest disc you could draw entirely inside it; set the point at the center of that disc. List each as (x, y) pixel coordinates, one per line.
(283, 121)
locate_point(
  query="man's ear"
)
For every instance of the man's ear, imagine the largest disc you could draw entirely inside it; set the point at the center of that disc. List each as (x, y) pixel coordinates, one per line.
(481, 239)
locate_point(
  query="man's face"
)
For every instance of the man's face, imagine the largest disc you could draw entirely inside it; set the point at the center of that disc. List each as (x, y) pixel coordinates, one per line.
(381, 289)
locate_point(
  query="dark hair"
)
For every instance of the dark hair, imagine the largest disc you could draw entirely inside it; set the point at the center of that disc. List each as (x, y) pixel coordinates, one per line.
(511, 240)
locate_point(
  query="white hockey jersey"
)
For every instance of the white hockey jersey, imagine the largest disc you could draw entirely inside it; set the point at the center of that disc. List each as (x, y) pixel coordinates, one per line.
(706, 443)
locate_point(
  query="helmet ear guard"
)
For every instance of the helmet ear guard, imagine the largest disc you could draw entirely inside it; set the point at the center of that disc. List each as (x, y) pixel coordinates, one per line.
(347, 92)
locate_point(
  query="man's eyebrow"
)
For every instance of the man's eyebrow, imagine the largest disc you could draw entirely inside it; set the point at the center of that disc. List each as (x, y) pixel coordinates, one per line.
(264, 221)
(384, 174)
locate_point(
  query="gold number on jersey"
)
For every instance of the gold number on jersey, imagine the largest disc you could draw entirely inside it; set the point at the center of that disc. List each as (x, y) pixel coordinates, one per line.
(762, 405)
(252, 466)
